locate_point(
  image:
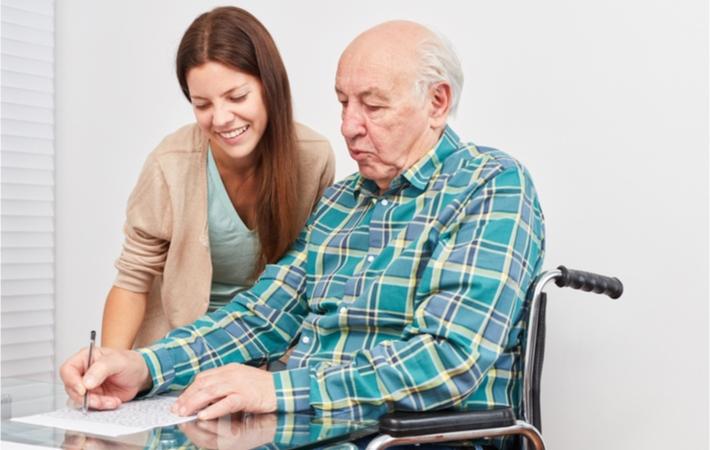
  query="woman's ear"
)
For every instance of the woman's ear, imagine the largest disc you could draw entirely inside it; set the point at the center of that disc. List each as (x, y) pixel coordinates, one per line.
(440, 103)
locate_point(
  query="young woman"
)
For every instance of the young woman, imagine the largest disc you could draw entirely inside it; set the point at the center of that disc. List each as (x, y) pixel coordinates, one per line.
(218, 199)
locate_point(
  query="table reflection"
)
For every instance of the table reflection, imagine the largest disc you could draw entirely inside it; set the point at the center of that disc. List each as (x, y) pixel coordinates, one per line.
(236, 431)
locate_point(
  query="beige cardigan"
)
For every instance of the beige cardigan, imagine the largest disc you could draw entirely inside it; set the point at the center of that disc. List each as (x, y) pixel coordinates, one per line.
(166, 251)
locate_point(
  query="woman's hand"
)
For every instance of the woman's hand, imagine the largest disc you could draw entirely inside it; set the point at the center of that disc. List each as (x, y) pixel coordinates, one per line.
(228, 389)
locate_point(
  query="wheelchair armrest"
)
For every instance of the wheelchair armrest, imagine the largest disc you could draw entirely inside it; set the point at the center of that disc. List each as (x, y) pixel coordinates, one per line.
(399, 424)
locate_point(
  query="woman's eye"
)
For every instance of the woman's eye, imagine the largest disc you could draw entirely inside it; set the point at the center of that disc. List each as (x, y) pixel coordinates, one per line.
(238, 99)
(201, 106)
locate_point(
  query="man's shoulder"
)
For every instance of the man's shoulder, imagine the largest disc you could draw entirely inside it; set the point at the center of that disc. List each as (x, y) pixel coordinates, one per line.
(481, 163)
(344, 188)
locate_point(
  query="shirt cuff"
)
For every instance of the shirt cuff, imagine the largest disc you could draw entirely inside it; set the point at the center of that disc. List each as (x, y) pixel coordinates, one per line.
(156, 360)
(292, 430)
(293, 389)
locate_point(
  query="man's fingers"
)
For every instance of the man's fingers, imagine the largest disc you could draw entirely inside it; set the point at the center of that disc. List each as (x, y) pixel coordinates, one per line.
(71, 373)
(103, 402)
(96, 401)
(75, 388)
(193, 400)
(72, 440)
(211, 426)
(101, 369)
(198, 436)
(200, 394)
(229, 404)
(73, 393)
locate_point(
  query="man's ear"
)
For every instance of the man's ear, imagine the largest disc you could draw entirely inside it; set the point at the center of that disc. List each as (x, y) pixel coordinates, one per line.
(440, 104)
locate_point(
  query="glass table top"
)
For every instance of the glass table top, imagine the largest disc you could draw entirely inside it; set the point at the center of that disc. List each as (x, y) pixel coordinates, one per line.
(23, 397)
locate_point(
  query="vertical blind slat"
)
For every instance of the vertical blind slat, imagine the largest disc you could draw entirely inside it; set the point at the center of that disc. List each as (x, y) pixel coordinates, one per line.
(27, 195)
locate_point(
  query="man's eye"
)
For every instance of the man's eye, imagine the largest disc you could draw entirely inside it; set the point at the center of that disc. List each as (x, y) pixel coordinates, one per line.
(373, 108)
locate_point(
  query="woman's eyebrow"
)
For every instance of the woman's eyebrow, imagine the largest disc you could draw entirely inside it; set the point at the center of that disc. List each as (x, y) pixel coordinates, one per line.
(223, 94)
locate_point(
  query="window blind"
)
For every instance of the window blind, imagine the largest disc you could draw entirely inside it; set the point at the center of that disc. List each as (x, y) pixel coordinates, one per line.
(27, 189)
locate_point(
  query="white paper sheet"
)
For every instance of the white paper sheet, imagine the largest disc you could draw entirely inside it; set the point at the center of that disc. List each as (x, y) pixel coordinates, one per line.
(130, 417)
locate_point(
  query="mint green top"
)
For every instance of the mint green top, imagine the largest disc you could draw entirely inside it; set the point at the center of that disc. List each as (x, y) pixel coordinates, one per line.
(234, 248)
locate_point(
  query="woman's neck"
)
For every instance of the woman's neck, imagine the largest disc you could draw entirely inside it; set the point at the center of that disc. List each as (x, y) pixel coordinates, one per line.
(240, 168)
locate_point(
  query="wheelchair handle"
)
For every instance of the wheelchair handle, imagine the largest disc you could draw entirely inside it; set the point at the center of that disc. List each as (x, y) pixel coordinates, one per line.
(587, 281)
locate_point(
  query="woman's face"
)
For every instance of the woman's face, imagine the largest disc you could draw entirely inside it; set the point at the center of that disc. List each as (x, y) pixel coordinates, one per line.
(229, 108)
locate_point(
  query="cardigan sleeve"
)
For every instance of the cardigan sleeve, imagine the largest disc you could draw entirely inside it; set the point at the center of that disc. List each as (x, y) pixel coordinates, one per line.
(147, 230)
(327, 176)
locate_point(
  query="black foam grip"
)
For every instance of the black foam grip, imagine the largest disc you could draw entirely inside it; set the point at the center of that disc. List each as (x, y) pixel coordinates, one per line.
(589, 282)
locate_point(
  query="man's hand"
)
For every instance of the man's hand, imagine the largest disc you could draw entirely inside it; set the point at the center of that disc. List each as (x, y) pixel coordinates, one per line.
(115, 376)
(235, 432)
(228, 389)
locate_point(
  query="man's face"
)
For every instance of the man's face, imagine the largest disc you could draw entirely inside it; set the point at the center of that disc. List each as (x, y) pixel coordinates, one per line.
(385, 122)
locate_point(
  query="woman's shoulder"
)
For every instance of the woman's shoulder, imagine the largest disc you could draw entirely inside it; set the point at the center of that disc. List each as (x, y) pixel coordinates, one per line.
(311, 143)
(185, 140)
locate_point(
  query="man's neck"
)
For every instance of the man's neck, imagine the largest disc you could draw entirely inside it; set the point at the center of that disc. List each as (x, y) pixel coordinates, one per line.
(425, 144)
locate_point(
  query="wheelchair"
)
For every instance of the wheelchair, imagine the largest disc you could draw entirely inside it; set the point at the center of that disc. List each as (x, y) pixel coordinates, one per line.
(406, 428)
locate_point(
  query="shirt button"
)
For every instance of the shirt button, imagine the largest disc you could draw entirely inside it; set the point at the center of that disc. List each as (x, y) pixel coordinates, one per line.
(370, 258)
(343, 310)
(384, 202)
(306, 339)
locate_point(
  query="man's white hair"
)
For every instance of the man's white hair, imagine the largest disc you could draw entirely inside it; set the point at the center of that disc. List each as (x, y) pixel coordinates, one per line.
(439, 63)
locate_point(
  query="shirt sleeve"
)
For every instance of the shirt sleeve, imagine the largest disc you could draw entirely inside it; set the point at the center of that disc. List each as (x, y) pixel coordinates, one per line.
(473, 292)
(147, 231)
(256, 326)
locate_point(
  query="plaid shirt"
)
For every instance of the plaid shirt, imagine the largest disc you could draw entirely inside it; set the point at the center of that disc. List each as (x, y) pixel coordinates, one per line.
(413, 299)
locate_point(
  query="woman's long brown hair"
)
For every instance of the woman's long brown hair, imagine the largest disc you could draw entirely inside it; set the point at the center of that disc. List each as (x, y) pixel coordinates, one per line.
(235, 38)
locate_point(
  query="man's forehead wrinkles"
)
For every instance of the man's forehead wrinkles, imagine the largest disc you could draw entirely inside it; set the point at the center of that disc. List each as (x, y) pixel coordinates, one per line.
(371, 92)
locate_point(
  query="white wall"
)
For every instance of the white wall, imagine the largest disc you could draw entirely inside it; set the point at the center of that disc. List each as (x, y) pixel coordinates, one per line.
(605, 102)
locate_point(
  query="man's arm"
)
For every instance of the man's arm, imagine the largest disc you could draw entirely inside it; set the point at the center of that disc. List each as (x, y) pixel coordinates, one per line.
(473, 293)
(256, 326)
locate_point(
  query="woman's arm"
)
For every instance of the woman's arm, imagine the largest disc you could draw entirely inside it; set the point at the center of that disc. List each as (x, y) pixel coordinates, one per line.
(147, 238)
(123, 316)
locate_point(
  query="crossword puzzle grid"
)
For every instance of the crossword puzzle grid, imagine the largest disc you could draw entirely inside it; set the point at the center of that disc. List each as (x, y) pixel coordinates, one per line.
(151, 412)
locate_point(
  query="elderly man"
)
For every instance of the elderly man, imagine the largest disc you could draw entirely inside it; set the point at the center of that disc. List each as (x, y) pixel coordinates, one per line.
(406, 289)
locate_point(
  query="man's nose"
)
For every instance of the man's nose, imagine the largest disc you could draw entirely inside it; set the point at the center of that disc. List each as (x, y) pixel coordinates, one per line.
(352, 124)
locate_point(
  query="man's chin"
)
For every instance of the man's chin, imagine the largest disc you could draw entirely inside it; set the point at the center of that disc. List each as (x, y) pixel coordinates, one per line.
(367, 171)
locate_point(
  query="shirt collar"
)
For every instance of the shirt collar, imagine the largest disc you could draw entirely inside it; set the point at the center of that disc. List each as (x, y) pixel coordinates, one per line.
(421, 172)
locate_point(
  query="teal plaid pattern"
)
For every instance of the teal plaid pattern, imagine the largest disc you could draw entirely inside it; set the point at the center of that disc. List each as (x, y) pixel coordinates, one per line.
(412, 299)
